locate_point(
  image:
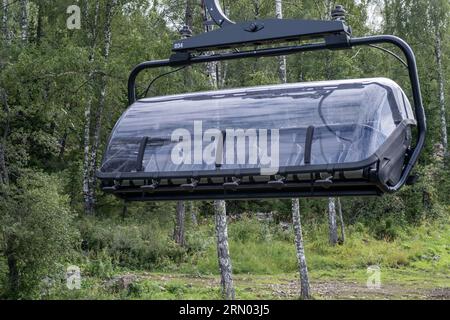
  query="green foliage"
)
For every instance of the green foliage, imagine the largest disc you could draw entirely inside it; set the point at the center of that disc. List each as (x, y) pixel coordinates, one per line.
(49, 81)
(37, 232)
(128, 245)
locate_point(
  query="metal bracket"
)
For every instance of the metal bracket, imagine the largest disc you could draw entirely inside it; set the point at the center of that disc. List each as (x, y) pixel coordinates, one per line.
(232, 185)
(261, 32)
(279, 182)
(190, 186)
(151, 188)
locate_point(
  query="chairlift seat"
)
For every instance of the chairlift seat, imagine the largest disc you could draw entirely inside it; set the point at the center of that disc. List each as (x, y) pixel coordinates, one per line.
(347, 137)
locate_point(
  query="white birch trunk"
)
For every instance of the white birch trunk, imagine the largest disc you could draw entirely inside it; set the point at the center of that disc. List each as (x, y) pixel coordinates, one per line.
(441, 77)
(107, 33)
(211, 67)
(193, 213)
(223, 252)
(24, 20)
(179, 230)
(180, 215)
(305, 293)
(4, 174)
(303, 269)
(5, 19)
(341, 220)
(87, 169)
(333, 234)
(86, 164)
(282, 70)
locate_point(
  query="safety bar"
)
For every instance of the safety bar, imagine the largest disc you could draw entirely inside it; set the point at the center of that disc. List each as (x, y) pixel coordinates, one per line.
(353, 42)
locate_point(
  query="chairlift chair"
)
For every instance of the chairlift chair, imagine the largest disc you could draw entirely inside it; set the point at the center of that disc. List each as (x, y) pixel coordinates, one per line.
(312, 139)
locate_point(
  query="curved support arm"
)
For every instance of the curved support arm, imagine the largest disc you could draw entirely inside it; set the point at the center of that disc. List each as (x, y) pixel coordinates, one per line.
(417, 97)
(406, 49)
(216, 13)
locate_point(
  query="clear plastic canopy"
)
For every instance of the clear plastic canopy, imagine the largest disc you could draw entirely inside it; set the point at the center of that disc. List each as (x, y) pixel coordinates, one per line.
(342, 121)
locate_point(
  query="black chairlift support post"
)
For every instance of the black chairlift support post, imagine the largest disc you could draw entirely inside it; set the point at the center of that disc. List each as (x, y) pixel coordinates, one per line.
(335, 34)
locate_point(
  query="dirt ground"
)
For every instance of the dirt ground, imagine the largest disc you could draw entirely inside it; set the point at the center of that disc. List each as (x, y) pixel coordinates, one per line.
(287, 287)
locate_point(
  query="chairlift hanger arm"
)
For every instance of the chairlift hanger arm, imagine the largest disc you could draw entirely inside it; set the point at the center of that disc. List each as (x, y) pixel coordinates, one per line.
(217, 15)
(260, 32)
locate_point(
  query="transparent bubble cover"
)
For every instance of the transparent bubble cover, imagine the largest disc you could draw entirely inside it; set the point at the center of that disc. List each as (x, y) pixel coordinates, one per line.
(257, 127)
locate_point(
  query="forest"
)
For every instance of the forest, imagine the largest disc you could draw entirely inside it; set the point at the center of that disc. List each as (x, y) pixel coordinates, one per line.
(64, 67)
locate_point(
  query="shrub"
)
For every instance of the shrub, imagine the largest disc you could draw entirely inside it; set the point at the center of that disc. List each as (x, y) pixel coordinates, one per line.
(37, 232)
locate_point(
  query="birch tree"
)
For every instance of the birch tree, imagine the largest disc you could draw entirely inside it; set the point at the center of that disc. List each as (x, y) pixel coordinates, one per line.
(305, 292)
(223, 251)
(332, 224)
(92, 36)
(442, 109)
(303, 269)
(107, 41)
(341, 220)
(439, 18)
(23, 20)
(282, 71)
(5, 28)
(192, 210)
(220, 211)
(4, 175)
(179, 229)
(211, 67)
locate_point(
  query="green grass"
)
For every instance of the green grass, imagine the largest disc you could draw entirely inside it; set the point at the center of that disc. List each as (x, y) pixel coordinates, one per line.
(425, 248)
(346, 284)
(414, 265)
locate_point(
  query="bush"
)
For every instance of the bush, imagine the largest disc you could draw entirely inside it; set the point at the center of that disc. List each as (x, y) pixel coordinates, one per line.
(131, 244)
(37, 232)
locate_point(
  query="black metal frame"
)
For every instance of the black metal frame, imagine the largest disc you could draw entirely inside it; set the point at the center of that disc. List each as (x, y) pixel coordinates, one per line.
(336, 36)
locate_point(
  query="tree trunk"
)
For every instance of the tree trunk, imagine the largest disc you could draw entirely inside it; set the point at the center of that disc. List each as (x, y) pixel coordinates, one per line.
(39, 26)
(301, 257)
(223, 252)
(303, 269)
(282, 70)
(193, 214)
(189, 14)
(62, 145)
(13, 271)
(332, 221)
(107, 33)
(440, 71)
(341, 220)
(4, 179)
(88, 208)
(124, 210)
(24, 20)
(4, 174)
(87, 169)
(5, 16)
(211, 67)
(179, 230)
